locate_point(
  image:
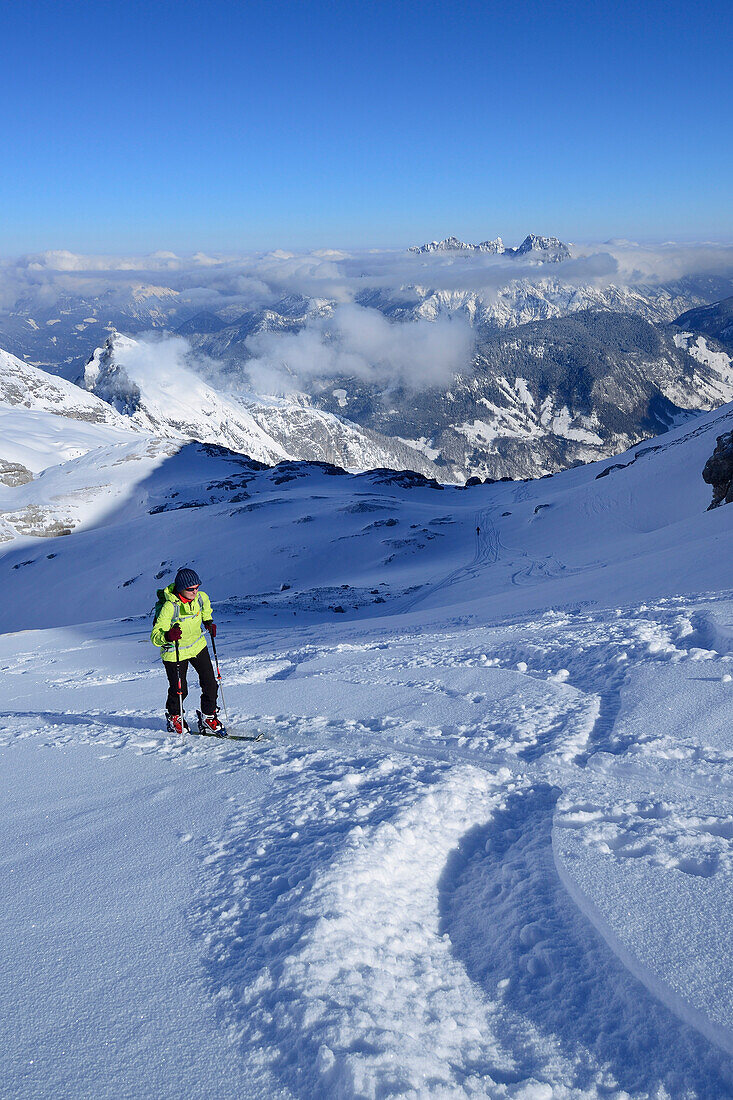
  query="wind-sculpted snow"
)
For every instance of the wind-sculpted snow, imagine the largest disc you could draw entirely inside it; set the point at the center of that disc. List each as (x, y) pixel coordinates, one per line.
(376, 909)
(518, 932)
(346, 985)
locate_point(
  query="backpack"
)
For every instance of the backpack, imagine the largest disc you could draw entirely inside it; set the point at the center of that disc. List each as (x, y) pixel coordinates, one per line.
(160, 603)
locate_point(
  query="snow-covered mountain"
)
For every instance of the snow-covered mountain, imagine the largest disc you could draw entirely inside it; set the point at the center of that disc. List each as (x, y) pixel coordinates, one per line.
(532, 401)
(573, 385)
(259, 526)
(45, 420)
(159, 395)
(453, 244)
(56, 322)
(27, 387)
(543, 396)
(520, 301)
(547, 249)
(537, 398)
(68, 455)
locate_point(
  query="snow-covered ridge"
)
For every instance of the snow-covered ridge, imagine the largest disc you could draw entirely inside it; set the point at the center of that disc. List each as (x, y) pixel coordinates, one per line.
(310, 524)
(453, 244)
(27, 387)
(160, 396)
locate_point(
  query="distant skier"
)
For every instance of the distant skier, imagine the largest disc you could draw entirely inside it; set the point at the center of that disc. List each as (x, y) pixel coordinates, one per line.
(181, 612)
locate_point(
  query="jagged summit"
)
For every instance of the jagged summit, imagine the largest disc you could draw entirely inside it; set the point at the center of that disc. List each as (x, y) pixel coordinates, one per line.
(453, 244)
(548, 249)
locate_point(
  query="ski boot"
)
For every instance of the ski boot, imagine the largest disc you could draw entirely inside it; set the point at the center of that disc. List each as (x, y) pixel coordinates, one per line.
(209, 723)
(173, 722)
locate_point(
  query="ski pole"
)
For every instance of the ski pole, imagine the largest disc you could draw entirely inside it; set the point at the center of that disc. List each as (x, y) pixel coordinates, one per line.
(218, 677)
(180, 690)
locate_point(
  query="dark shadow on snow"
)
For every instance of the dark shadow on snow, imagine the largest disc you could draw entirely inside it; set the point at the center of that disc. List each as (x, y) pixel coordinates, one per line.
(90, 718)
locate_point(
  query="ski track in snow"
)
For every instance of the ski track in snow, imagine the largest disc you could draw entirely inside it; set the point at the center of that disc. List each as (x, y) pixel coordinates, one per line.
(430, 903)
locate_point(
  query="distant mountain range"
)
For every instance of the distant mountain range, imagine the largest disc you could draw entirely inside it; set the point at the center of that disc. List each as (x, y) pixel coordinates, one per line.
(58, 329)
(561, 373)
(537, 398)
(539, 395)
(543, 249)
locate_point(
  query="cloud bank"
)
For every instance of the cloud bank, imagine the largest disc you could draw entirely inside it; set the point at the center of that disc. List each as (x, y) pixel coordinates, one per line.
(355, 342)
(214, 282)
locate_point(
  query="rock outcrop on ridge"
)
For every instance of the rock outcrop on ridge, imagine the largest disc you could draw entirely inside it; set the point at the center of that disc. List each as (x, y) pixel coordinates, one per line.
(718, 471)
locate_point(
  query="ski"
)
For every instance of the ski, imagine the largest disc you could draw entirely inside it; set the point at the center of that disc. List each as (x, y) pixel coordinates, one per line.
(229, 736)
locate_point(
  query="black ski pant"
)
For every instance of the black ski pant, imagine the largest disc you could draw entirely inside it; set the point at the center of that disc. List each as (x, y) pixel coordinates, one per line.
(202, 663)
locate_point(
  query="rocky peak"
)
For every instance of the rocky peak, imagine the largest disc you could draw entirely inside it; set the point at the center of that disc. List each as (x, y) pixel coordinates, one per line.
(496, 246)
(548, 248)
(106, 377)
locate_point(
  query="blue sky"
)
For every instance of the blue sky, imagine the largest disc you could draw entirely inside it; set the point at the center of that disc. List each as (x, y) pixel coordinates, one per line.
(232, 126)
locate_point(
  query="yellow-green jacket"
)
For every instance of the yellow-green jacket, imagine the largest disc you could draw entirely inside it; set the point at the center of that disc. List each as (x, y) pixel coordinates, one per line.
(189, 616)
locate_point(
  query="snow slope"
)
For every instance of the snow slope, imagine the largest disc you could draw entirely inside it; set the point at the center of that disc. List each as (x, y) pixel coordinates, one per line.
(636, 524)
(485, 849)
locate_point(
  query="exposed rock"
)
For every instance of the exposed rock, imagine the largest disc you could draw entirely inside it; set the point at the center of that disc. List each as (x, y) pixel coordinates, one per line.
(718, 471)
(13, 473)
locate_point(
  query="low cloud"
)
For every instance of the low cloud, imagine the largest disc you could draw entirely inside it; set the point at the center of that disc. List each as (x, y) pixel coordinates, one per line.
(213, 282)
(355, 342)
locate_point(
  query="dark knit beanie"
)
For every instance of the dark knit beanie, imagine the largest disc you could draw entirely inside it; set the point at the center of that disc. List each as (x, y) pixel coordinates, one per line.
(185, 578)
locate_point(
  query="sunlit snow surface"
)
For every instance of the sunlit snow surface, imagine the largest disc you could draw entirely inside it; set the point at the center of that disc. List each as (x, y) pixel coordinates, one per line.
(486, 848)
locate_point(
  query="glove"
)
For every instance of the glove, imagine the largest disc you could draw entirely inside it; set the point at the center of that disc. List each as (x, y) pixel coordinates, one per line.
(211, 627)
(174, 633)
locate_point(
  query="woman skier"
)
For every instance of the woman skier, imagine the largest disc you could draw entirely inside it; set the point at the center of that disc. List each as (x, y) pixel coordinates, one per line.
(181, 612)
